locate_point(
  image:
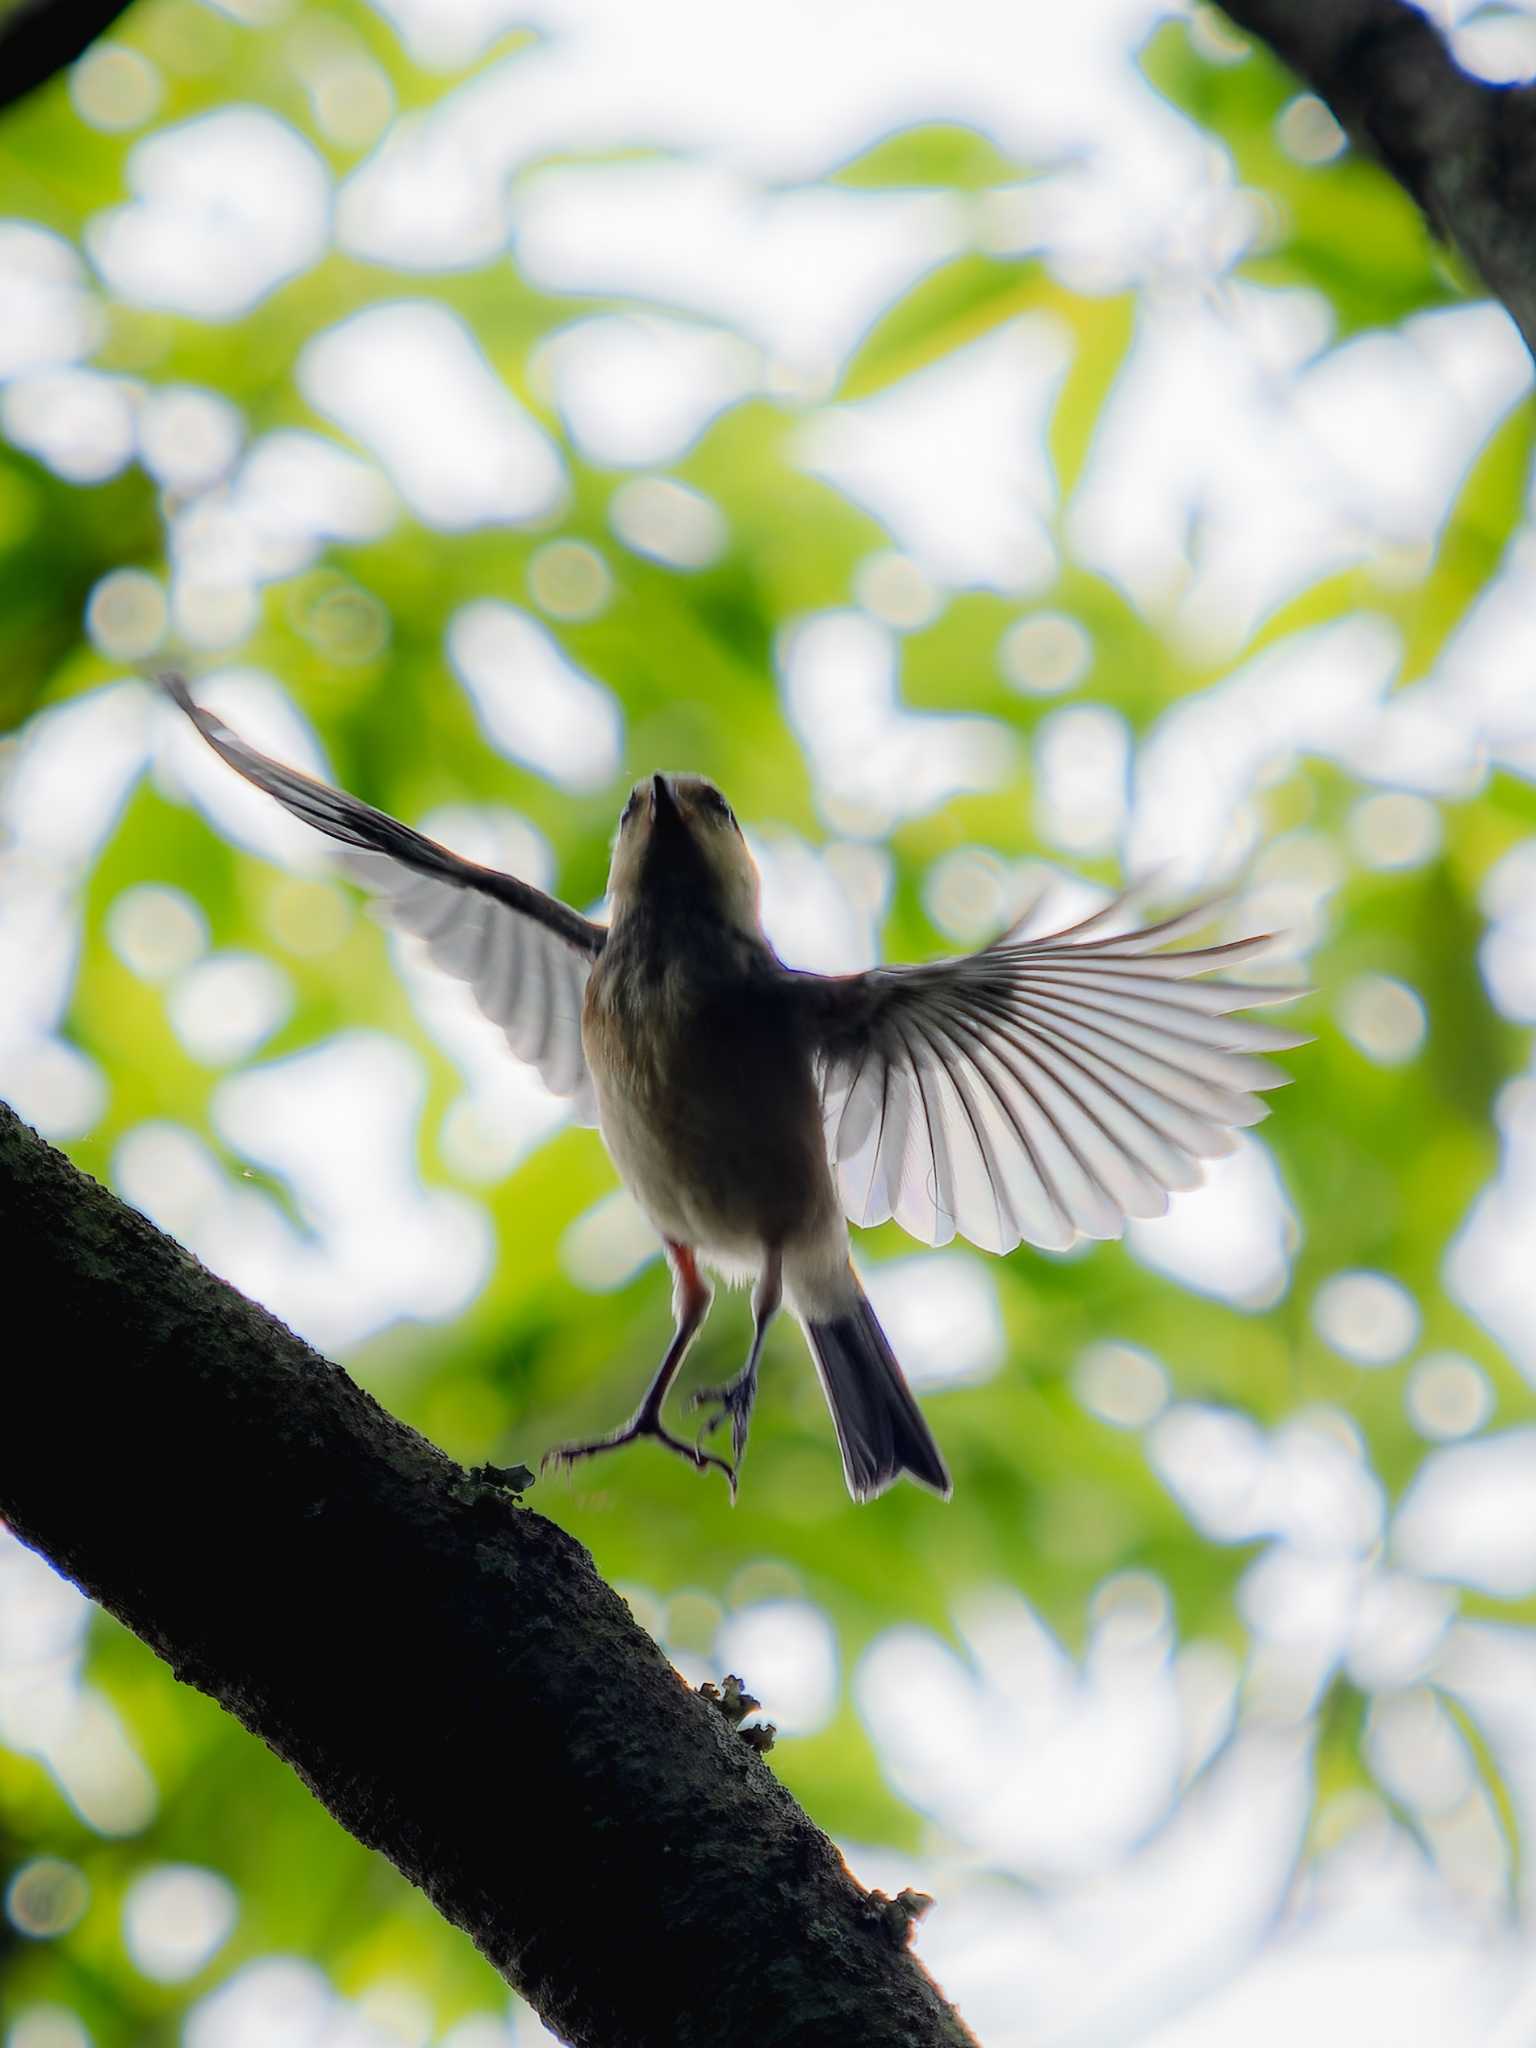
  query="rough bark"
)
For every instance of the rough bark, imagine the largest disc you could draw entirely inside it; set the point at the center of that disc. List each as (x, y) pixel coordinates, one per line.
(443, 1668)
(40, 37)
(1463, 149)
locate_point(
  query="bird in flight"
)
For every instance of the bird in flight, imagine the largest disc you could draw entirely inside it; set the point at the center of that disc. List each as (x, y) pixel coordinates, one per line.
(1037, 1091)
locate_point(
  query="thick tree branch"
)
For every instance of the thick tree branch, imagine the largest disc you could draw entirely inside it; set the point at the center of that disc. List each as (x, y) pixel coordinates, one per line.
(40, 37)
(1463, 149)
(445, 1670)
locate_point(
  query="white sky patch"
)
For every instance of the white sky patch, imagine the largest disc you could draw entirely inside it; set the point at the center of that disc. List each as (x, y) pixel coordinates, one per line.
(637, 389)
(425, 200)
(669, 521)
(533, 702)
(609, 1244)
(941, 1313)
(786, 107)
(60, 796)
(1470, 1515)
(1306, 1484)
(1319, 692)
(1236, 464)
(789, 1652)
(44, 1709)
(1082, 777)
(225, 208)
(1092, 1754)
(1507, 954)
(821, 908)
(48, 315)
(1233, 1237)
(1488, 1267)
(953, 459)
(875, 761)
(338, 1123)
(80, 422)
(824, 263)
(294, 490)
(449, 35)
(412, 384)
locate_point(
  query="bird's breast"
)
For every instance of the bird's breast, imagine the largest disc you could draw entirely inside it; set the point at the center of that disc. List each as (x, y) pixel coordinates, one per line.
(706, 1099)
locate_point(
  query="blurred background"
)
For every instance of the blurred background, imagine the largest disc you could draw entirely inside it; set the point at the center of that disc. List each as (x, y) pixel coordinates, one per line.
(1008, 449)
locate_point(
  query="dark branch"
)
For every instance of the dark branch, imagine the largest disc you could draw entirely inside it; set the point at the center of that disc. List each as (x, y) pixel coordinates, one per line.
(1463, 149)
(445, 1670)
(40, 37)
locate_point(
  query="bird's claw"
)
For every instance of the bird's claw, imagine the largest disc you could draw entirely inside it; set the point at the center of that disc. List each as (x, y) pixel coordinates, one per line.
(734, 1402)
(562, 1457)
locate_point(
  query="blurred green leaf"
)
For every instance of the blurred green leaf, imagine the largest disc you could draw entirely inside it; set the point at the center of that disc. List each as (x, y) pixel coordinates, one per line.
(939, 153)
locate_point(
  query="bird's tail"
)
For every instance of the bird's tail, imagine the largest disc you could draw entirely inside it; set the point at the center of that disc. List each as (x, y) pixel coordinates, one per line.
(880, 1428)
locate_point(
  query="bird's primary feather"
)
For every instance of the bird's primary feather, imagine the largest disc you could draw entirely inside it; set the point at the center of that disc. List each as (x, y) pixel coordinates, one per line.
(1040, 1090)
(525, 955)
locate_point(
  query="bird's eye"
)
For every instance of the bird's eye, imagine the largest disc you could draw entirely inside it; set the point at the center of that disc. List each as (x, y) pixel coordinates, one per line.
(716, 805)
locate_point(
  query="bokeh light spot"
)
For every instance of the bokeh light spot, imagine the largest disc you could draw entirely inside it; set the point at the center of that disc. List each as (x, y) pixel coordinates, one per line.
(1448, 1396)
(1045, 654)
(175, 1920)
(1384, 1018)
(188, 438)
(46, 1898)
(1121, 1384)
(126, 614)
(47, 2026)
(156, 931)
(897, 591)
(569, 580)
(1366, 1316)
(1307, 131)
(966, 893)
(1395, 830)
(227, 1005)
(115, 89)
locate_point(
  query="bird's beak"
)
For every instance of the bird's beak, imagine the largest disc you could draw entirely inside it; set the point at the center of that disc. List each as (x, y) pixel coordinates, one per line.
(664, 811)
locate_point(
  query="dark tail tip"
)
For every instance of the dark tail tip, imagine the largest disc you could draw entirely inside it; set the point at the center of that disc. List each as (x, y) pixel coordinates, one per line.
(880, 1428)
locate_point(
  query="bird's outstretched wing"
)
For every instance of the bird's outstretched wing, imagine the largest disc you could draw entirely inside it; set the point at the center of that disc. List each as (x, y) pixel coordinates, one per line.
(525, 955)
(1040, 1090)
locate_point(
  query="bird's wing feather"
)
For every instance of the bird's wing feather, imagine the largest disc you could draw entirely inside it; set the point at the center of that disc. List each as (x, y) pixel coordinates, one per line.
(1041, 1090)
(525, 955)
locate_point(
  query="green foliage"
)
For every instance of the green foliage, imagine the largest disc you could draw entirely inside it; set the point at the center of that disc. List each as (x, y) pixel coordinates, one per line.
(1380, 1163)
(1338, 227)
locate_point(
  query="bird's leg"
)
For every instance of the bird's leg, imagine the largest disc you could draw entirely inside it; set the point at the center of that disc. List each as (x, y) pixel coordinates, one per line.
(691, 1297)
(736, 1398)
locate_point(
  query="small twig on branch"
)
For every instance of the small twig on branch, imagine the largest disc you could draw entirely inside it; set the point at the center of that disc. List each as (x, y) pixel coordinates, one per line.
(1463, 149)
(444, 1669)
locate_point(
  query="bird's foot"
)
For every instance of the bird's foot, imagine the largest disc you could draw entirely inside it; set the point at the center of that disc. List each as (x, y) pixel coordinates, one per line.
(646, 1421)
(731, 1402)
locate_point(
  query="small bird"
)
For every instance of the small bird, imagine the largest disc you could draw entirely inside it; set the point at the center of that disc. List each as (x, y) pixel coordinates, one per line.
(1039, 1090)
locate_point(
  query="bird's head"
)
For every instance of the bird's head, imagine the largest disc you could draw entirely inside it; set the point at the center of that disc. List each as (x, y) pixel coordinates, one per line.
(678, 840)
